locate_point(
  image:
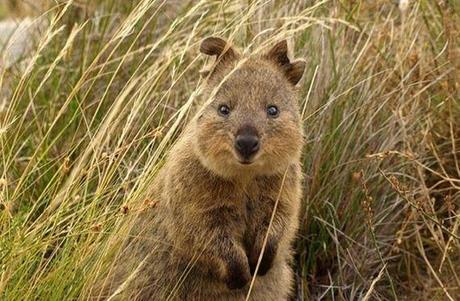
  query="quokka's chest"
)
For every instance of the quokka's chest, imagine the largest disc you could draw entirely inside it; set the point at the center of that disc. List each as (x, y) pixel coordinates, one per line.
(258, 200)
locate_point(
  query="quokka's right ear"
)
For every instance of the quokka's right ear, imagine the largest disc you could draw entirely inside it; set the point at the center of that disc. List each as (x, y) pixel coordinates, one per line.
(218, 47)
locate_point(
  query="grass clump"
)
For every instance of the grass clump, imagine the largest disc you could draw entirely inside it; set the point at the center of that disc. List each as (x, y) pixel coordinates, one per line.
(88, 116)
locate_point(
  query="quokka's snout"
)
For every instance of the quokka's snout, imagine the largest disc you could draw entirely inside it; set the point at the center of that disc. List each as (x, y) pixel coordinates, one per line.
(247, 143)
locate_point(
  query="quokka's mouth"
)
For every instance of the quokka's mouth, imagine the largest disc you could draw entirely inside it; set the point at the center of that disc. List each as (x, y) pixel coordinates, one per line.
(246, 162)
(242, 161)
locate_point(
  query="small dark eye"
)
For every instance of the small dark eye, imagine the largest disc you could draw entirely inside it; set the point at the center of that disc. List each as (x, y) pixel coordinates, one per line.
(224, 110)
(273, 111)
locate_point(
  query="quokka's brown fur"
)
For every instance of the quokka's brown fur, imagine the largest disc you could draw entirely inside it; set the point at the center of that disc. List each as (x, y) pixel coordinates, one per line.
(203, 239)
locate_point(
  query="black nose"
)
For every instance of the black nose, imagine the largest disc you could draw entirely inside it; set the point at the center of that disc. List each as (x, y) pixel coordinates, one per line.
(247, 145)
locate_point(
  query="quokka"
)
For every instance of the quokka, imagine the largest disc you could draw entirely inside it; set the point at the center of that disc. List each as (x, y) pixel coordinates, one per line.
(236, 160)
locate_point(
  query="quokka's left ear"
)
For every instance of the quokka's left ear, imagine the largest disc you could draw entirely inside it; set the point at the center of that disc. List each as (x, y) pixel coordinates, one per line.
(292, 70)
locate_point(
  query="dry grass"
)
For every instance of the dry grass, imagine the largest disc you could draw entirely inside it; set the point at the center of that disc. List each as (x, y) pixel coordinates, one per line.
(93, 110)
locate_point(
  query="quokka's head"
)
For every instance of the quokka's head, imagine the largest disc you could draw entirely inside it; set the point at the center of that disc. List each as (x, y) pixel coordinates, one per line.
(251, 121)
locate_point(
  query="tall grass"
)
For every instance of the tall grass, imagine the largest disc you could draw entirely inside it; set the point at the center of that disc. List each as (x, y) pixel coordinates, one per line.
(91, 113)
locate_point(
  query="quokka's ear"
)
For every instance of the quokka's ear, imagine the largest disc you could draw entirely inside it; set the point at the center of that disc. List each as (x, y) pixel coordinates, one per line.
(292, 70)
(218, 47)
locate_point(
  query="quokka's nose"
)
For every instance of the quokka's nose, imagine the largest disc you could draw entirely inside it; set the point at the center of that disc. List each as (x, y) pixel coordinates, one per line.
(247, 145)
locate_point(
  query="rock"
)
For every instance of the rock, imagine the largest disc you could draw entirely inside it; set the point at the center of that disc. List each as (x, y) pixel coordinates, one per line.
(15, 40)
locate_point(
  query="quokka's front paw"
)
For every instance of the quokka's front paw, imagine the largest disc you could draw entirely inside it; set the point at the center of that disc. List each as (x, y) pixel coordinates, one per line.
(267, 259)
(238, 275)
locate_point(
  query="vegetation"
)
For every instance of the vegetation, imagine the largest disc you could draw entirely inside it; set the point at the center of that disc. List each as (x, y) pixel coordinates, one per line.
(88, 116)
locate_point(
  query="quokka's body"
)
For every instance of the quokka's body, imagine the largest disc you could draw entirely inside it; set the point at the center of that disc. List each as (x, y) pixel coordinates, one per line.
(238, 159)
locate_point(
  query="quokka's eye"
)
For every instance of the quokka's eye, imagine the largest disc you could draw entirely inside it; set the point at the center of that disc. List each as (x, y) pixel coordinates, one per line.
(272, 111)
(223, 110)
